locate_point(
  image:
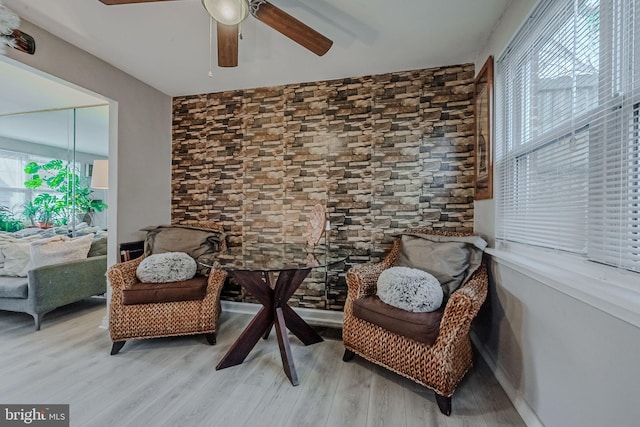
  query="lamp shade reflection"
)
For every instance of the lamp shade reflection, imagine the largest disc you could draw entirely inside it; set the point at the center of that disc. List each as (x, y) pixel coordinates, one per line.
(100, 174)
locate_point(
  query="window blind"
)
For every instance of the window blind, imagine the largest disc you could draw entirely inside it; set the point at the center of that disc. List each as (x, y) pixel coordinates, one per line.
(568, 131)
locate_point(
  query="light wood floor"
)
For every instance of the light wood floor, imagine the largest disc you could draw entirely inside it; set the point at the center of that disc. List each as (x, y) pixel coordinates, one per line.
(173, 382)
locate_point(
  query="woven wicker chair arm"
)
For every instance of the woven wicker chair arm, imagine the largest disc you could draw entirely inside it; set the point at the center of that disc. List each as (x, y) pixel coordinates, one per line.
(123, 274)
(462, 307)
(362, 279)
(477, 286)
(455, 322)
(216, 281)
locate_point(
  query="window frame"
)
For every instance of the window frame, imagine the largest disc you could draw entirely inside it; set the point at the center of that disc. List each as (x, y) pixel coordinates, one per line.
(517, 92)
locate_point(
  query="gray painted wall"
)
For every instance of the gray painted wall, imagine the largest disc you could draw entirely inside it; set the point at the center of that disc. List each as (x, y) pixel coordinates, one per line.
(140, 127)
(563, 362)
(571, 364)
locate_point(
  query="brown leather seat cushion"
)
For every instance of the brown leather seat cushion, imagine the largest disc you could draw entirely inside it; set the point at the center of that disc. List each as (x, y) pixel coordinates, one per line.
(422, 327)
(146, 293)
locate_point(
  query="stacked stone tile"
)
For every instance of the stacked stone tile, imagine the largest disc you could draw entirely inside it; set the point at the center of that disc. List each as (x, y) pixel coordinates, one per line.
(382, 153)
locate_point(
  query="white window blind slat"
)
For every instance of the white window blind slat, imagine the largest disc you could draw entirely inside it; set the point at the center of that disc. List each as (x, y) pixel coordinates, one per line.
(568, 131)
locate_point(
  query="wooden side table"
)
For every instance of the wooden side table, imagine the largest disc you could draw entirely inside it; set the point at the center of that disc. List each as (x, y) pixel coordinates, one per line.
(254, 268)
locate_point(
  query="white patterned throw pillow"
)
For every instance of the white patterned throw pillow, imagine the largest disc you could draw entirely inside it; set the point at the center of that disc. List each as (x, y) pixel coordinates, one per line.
(410, 289)
(59, 249)
(166, 267)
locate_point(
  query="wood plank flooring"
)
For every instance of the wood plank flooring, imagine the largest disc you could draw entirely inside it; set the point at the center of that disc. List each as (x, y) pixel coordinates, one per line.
(173, 382)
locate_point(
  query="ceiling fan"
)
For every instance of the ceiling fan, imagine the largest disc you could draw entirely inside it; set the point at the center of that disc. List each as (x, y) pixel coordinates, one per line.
(229, 13)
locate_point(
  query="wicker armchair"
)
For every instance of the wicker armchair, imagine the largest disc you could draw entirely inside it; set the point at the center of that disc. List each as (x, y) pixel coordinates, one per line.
(440, 366)
(161, 319)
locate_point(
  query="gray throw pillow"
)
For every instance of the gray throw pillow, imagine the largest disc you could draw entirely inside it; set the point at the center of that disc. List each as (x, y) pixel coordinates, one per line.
(166, 267)
(200, 243)
(410, 289)
(98, 246)
(451, 260)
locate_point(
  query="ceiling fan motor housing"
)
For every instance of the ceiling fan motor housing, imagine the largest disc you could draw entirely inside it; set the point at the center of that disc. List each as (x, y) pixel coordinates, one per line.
(227, 12)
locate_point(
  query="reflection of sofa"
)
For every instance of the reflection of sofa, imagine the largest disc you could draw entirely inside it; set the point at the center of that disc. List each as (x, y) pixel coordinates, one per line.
(60, 276)
(53, 286)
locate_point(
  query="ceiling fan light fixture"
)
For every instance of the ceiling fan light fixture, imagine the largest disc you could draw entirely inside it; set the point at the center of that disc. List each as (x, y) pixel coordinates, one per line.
(227, 12)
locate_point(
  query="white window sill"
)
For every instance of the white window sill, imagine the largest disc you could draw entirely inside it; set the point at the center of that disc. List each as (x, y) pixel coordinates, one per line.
(611, 290)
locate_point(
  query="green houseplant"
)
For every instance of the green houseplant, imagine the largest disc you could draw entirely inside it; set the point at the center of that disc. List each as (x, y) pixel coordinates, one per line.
(30, 212)
(9, 221)
(43, 210)
(72, 193)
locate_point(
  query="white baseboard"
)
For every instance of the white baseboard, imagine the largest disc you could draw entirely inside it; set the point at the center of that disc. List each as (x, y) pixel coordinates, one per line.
(528, 415)
(105, 322)
(312, 316)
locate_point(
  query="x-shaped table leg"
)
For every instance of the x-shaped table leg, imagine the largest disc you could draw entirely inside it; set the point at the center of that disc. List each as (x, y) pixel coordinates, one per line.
(275, 311)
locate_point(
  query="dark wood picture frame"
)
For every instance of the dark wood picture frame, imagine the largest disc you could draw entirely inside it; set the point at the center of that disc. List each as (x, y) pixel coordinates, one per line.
(483, 99)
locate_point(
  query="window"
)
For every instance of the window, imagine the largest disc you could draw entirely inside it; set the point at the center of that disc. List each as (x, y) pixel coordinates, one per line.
(13, 193)
(568, 131)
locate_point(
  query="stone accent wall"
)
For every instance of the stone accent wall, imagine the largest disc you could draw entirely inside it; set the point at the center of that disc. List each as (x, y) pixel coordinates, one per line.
(382, 153)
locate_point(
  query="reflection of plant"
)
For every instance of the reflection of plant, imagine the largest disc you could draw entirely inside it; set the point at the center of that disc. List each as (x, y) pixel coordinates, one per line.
(47, 209)
(8, 220)
(72, 191)
(44, 209)
(30, 212)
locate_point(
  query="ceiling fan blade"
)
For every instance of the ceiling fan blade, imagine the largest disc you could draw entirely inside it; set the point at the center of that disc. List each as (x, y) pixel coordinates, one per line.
(227, 45)
(289, 26)
(115, 2)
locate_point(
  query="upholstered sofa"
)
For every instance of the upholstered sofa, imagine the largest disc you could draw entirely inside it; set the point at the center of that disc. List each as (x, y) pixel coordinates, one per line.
(52, 286)
(47, 287)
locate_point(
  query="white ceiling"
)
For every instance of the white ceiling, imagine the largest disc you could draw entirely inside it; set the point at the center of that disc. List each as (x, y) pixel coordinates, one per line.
(166, 44)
